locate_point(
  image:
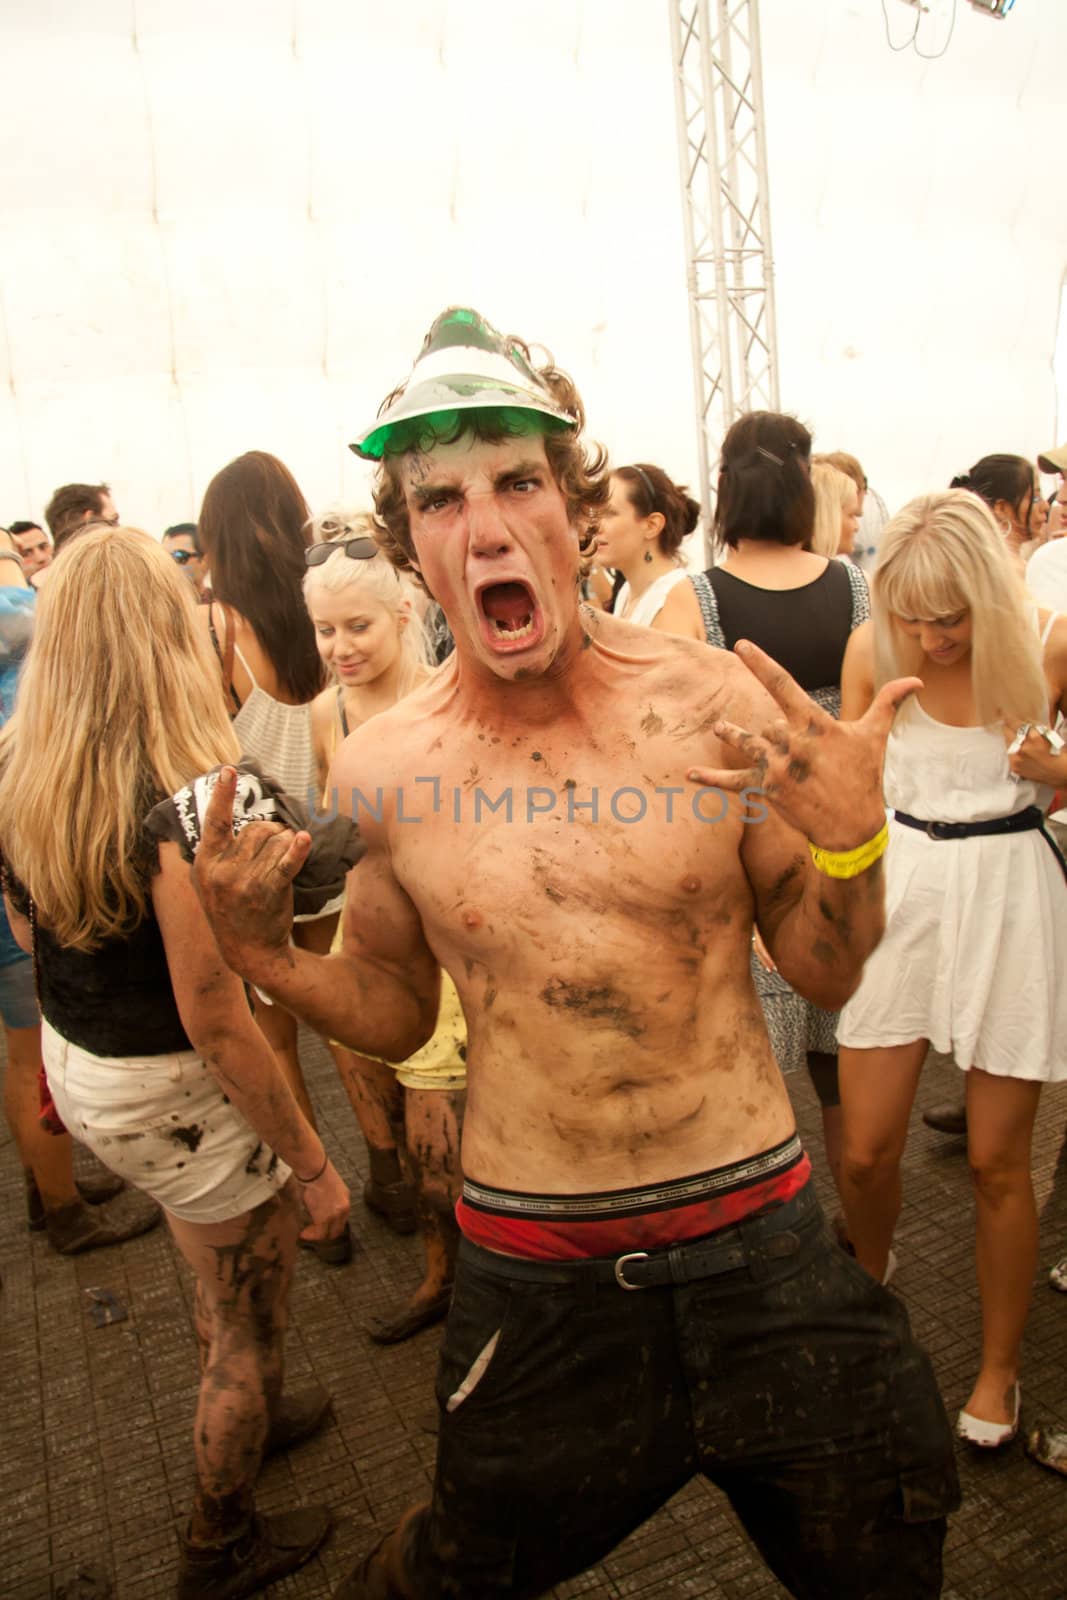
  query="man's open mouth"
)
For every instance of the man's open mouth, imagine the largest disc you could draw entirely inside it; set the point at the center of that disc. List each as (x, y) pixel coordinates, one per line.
(511, 612)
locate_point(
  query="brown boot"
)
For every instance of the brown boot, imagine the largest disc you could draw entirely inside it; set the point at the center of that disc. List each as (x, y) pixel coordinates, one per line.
(948, 1118)
(387, 1194)
(410, 1317)
(94, 1191)
(264, 1549)
(76, 1228)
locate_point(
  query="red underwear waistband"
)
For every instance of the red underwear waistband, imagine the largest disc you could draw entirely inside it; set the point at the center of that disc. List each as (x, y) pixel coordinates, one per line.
(567, 1227)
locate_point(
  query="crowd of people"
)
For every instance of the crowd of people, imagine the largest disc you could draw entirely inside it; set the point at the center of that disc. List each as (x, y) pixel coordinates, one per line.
(418, 759)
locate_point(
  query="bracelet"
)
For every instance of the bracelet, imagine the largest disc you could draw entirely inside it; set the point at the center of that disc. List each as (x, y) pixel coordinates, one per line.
(850, 863)
(316, 1176)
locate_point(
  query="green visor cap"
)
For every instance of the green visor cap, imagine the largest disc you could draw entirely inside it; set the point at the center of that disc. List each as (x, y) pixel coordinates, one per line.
(464, 365)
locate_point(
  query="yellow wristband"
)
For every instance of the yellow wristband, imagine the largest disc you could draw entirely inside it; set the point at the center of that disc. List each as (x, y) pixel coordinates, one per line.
(850, 863)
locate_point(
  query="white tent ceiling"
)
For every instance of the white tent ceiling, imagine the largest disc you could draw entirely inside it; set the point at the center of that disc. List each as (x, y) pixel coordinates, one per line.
(226, 225)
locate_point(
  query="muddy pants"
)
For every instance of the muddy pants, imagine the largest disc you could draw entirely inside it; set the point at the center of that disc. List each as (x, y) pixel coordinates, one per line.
(573, 1407)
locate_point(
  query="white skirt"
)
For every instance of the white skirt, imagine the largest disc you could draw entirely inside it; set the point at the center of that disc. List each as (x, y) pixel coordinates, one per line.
(974, 956)
(163, 1124)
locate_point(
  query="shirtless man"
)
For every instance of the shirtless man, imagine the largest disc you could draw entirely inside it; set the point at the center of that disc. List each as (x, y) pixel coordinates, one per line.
(646, 1289)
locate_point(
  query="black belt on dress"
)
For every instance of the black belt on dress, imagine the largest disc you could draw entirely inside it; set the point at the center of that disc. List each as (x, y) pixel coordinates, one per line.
(1030, 819)
(1019, 822)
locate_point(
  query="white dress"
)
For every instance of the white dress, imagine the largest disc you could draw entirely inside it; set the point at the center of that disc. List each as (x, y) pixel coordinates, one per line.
(974, 956)
(648, 608)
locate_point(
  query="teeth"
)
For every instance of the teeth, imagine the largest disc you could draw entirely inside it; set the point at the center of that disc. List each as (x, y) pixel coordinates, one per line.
(513, 633)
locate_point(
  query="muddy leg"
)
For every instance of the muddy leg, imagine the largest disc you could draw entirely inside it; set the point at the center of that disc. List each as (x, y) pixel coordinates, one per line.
(203, 1324)
(378, 1102)
(374, 1094)
(243, 1269)
(433, 1120)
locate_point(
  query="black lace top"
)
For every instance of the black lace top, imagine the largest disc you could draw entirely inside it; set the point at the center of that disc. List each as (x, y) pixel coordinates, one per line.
(116, 1000)
(805, 630)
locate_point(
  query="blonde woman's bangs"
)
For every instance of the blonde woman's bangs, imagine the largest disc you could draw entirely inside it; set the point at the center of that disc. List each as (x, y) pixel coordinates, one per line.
(942, 555)
(920, 585)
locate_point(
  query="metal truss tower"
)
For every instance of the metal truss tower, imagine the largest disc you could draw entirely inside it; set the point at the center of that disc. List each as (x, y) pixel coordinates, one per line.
(723, 155)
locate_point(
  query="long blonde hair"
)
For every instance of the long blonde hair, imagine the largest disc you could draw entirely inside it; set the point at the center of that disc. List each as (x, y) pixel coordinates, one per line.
(943, 554)
(378, 578)
(119, 705)
(834, 490)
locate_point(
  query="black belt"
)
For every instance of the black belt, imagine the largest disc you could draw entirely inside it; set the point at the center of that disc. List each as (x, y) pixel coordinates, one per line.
(765, 1236)
(1029, 820)
(1019, 822)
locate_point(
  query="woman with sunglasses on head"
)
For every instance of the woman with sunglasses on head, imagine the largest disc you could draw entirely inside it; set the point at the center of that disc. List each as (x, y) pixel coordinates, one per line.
(640, 533)
(975, 945)
(370, 638)
(254, 529)
(152, 1056)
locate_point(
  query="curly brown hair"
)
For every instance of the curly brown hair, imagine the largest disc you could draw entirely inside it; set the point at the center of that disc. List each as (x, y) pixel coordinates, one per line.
(580, 469)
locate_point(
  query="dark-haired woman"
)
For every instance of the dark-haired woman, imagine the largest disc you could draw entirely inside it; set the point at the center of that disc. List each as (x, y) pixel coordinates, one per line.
(1011, 489)
(254, 530)
(639, 533)
(800, 608)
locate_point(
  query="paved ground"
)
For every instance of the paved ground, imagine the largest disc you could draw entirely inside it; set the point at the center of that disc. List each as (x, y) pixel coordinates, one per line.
(96, 1461)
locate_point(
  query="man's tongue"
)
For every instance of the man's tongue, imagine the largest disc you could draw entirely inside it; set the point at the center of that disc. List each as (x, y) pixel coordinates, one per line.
(508, 606)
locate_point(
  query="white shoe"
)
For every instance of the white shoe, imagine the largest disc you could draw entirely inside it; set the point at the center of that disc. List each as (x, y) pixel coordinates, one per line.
(988, 1435)
(890, 1268)
(1057, 1278)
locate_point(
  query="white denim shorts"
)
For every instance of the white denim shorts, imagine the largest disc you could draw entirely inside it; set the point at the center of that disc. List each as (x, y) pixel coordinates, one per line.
(163, 1124)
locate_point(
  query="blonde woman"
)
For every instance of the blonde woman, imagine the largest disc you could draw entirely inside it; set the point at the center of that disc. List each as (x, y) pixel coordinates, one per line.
(838, 510)
(975, 946)
(371, 640)
(152, 1055)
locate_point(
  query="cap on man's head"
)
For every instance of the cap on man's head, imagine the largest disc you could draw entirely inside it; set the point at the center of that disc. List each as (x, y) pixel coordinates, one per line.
(1054, 460)
(464, 365)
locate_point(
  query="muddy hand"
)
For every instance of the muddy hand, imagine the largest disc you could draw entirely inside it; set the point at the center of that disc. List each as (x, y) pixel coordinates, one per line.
(245, 882)
(823, 777)
(327, 1204)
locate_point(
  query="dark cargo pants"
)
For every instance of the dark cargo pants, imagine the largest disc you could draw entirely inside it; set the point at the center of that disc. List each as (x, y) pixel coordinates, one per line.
(571, 1409)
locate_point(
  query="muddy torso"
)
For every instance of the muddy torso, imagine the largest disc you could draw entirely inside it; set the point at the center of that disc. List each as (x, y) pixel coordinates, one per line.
(596, 920)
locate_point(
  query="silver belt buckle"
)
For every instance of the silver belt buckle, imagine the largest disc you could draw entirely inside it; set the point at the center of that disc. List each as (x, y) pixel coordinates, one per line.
(635, 1255)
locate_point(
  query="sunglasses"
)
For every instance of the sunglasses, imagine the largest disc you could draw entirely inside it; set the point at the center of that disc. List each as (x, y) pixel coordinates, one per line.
(361, 549)
(183, 557)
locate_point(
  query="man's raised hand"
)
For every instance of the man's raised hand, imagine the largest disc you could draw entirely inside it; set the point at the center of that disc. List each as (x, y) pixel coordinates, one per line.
(245, 880)
(823, 777)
